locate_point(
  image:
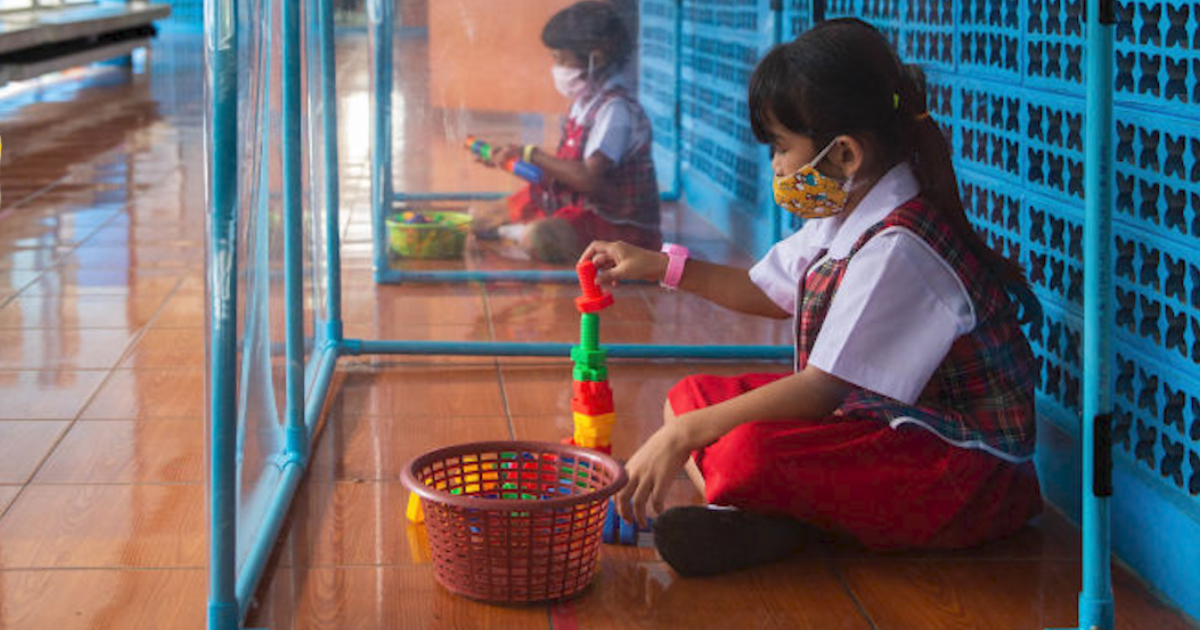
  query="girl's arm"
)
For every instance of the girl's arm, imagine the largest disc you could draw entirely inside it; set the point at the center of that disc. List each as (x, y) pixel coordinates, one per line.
(809, 393)
(588, 176)
(727, 286)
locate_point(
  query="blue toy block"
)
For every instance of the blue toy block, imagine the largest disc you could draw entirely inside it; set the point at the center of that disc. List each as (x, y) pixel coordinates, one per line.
(618, 531)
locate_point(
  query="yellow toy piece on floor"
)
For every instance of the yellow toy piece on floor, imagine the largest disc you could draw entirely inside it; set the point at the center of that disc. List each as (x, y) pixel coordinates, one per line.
(415, 513)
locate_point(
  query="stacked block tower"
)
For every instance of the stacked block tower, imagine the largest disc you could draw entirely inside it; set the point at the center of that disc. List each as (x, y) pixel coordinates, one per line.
(592, 401)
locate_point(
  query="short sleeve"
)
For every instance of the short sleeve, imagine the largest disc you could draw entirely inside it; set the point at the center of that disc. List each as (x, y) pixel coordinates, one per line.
(612, 131)
(897, 311)
(778, 273)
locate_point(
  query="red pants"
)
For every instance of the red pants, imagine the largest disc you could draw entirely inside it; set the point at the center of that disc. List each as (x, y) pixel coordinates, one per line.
(888, 488)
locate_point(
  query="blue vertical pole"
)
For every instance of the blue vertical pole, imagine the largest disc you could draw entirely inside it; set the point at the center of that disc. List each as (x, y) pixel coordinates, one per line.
(776, 39)
(678, 89)
(1096, 597)
(333, 260)
(293, 233)
(221, 56)
(379, 14)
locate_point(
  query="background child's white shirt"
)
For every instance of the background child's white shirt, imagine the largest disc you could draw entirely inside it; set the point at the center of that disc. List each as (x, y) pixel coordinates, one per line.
(617, 130)
(899, 306)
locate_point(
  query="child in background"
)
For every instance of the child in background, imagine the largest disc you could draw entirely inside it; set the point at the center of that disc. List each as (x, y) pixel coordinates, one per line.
(600, 184)
(908, 421)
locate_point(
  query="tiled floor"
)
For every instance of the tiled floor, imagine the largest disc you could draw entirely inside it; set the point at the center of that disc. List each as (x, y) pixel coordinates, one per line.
(102, 513)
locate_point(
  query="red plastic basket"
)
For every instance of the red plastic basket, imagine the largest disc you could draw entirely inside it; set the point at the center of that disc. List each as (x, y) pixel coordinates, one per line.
(514, 521)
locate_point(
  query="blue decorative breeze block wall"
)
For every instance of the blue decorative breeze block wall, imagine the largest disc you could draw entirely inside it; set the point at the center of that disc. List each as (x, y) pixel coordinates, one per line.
(659, 85)
(1010, 96)
(1006, 85)
(724, 169)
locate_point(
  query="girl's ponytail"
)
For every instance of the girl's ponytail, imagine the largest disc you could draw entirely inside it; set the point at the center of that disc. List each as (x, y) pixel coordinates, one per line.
(939, 185)
(843, 77)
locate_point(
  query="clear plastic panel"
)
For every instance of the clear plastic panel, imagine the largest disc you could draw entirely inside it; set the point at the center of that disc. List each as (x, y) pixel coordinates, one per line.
(260, 280)
(473, 85)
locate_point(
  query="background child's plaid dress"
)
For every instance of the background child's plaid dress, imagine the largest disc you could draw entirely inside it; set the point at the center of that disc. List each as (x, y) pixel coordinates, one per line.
(627, 207)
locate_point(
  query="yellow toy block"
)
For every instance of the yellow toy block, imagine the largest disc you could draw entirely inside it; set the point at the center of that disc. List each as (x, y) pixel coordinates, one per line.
(588, 442)
(593, 432)
(415, 513)
(584, 420)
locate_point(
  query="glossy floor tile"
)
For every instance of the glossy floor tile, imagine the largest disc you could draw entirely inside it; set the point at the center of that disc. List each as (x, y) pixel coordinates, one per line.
(88, 599)
(161, 393)
(936, 594)
(126, 451)
(23, 446)
(49, 394)
(97, 526)
(102, 398)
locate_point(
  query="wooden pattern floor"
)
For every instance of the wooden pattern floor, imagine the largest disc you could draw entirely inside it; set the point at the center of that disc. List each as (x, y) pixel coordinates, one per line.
(102, 513)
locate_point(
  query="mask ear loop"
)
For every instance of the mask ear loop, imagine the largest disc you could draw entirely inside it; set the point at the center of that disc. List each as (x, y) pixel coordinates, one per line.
(591, 65)
(848, 185)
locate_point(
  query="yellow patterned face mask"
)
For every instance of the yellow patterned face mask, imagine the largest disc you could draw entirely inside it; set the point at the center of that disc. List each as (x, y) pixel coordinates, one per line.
(810, 195)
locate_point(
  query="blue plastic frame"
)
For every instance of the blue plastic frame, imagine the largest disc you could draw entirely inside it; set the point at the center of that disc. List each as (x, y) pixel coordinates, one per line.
(230, 591)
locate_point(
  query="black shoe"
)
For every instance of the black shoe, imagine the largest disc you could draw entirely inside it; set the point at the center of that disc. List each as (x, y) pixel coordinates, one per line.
(699, 541)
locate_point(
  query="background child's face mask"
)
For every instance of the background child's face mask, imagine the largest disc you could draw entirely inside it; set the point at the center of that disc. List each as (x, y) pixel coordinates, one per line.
(810, 195)
(572, 82)
(569, 81)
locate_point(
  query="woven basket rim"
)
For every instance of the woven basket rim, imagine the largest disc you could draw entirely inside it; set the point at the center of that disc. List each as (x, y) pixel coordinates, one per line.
(459, 221)
(409, 478)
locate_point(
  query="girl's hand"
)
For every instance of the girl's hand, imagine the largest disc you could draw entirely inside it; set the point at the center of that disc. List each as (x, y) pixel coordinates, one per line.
(651, 470)
(621, 261)
(501, 155)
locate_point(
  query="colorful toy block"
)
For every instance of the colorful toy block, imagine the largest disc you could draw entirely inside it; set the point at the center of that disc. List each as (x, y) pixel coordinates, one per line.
(618, 531)
(415, 513)
(582, 373)
(591, 400)
(594, 298)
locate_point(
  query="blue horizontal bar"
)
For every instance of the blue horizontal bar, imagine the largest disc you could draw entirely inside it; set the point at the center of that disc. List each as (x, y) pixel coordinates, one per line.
(395, 276)
(615, 350)
(268, 532)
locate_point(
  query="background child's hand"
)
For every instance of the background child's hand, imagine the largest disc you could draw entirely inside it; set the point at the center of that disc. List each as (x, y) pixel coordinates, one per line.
(621, 261)
(502, 154)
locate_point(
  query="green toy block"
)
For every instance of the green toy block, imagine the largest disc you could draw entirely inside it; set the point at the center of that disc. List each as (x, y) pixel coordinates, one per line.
(589, 331)
(583, 357)
(581, 373)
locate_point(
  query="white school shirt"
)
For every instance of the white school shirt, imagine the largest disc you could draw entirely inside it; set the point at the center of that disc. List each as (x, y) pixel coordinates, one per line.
(617, 130)
(899, 306)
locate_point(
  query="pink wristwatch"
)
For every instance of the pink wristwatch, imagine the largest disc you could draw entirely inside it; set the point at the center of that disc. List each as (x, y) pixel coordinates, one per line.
(677, 255)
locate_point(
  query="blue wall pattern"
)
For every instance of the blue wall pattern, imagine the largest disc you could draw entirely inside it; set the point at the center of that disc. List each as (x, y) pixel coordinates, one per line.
(1006, 84)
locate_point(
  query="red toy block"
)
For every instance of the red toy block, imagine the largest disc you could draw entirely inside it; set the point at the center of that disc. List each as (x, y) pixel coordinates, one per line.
(594, 298)
(593, 398)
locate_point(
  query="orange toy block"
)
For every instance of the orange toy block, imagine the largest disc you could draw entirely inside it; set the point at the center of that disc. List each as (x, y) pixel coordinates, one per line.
(606, 449)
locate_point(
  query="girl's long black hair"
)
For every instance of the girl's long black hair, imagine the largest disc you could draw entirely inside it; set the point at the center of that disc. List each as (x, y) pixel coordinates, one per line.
(842, 77)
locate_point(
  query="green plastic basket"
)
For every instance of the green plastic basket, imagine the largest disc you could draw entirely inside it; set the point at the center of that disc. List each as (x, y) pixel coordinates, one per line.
(442, 235)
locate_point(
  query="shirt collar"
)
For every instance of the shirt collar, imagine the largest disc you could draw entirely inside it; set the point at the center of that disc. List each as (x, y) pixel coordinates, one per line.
(589, 100)
(897, 186)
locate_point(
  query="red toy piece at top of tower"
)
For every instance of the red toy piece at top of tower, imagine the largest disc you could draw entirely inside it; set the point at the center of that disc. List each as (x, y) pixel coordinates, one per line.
(594, 298)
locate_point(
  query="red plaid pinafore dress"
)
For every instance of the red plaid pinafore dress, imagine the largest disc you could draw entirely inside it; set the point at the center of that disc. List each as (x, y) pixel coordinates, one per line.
(626, 208)
(871, 471)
